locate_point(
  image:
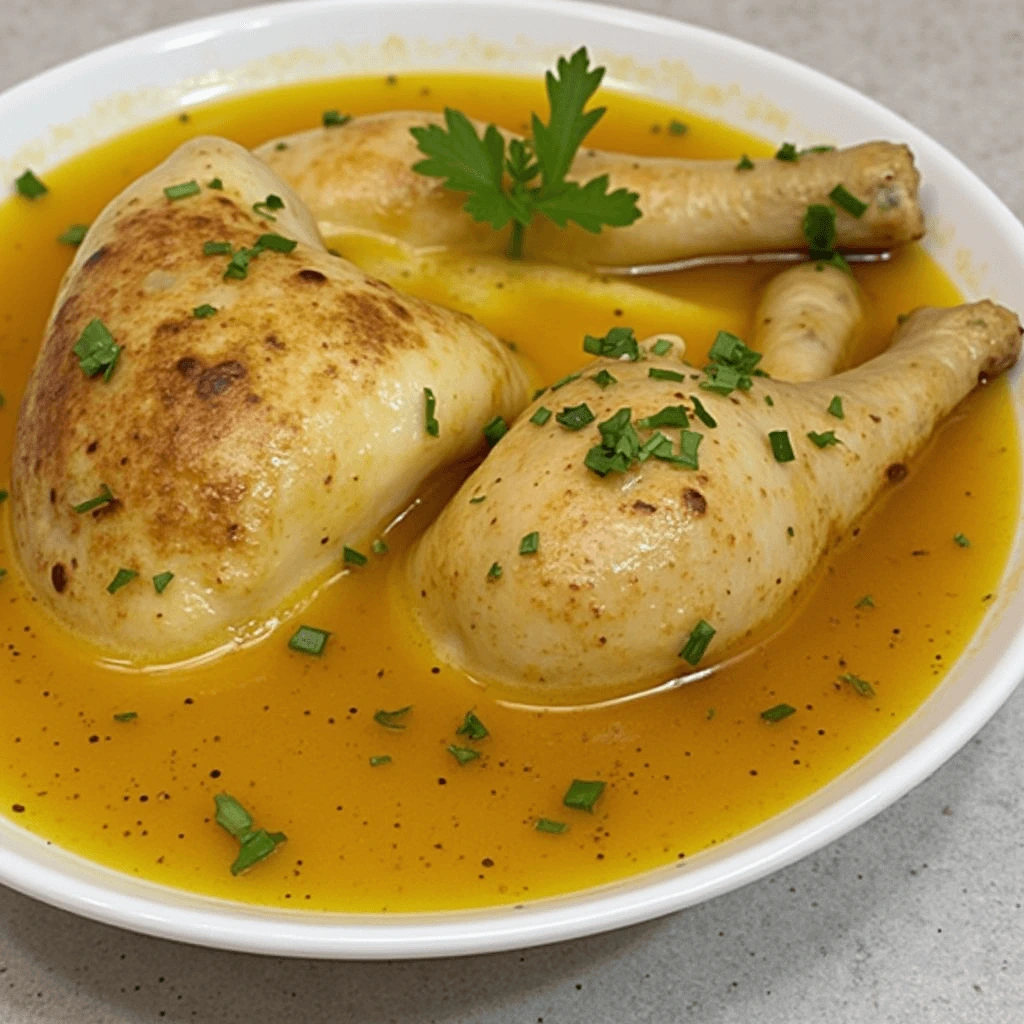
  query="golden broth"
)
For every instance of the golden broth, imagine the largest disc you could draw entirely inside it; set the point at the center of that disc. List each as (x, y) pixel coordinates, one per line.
(291, 736)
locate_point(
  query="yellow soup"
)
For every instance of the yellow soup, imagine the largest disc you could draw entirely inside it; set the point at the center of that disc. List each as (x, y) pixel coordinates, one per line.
(294, 738)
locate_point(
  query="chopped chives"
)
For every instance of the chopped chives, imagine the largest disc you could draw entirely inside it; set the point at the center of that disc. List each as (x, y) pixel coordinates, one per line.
(657, 445)
(216, 184)
(238, 265)
(670, 416)
(603, 379)
(495, 571)
(463, 754)
(430, 423)
(122, 579)
(788, 153)
(530, 544)
(478, 499)
(819, 228)
(697, 643)
(583, 794)
(495, 431)
(702, 414)
(778, 713)
(847, 201)
(379, 547)
(618, 342)
(276, 243)
(541, 416)
(835, 408)
(4, 495)
(790, 532)
(661, 346)
(352, 557)
(768, 400)
(472, 728)
(309, 640)
(656, 373)
(256, 846)
(961, 540)
(392, 719)
(575, 417)
(867, 601)
(204, 311)
(182, 190)
(782, 449)
(861, 686)
(553, 827)
(96, 348)
(568, 379)
(824, 440)
(161, 580)
(378, 759)
(334, 119)
(232, 816)
(216, 248)
(105, 497)
(29, 186)
(74, 235)
(689, 443)
(263, 209)
(126, 716)
(745, 164)
(677, 127)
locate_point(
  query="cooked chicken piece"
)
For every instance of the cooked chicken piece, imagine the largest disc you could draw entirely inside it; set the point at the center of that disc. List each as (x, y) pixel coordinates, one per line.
(244, 448)
(807, 322)
(628, 565)
(359, 176)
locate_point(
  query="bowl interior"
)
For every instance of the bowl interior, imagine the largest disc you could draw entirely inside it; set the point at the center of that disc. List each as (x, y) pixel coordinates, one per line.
(971, 234)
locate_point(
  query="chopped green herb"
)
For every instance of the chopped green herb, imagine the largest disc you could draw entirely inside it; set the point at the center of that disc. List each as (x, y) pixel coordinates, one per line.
(122, 579)
(768, 400)
(161, 580)
(232, 816)
(778, 713)
(537, 394)
(530, 544)
(619, 342)
(126, 716)
(216, 184)
(782, 449)
(495, 431)
(697, 643)
(604, 379)
(74, 235)
(677, 127)
(103, 498)
(204, 311)
(661, 346)
(431, 425)
(819, 227)
(555, 828)
(788, 153)
(818, 149)
(823, 440)
(619, 448)
(463, 754)
(3, 573)
(109, 371)
(656, 445)
(709, 715)
(732, 365)
(867, 601)
(670, 416)
(182, 190)
(495, 571)
(352, 557)
(309, 640)
(263, 209)
(961, 540)
(835, 408)
(276, 243)
(541, 416)
(216, 248)
(861, 686)
(479, 498)
(790, 532)
(656, 373)
(96, 348)
(575, 417)
(29, 186)
(745, 164)
(377, 760)
(688, 445)
(333, 119)
(4, 495)
(582, 795)
(702, 414)
(379, 547)
(472, 728)
(280, 146)
(392, 719)
(238, 266)
(568, 379)
(847, 201)
(256, 846)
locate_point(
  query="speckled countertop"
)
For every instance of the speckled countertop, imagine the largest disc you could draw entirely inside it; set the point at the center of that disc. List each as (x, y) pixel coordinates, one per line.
(915, 917)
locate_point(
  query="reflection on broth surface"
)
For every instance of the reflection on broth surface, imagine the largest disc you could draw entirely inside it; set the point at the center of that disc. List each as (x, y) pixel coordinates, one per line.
(294, 737)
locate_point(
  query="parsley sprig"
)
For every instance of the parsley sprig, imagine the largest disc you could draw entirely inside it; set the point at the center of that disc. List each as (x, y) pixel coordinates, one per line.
(528, 179)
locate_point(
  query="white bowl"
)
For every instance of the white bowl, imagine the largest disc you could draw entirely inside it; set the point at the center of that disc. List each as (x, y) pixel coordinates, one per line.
(974, 237)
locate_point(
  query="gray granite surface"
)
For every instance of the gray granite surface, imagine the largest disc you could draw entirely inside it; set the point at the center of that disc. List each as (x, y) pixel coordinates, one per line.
(915, 917)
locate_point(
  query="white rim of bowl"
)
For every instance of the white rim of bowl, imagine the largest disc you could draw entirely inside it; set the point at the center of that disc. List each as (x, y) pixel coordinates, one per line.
(252, 928)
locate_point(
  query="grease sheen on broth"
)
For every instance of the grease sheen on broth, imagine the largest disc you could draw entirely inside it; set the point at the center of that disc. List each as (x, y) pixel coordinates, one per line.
(292, 736)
